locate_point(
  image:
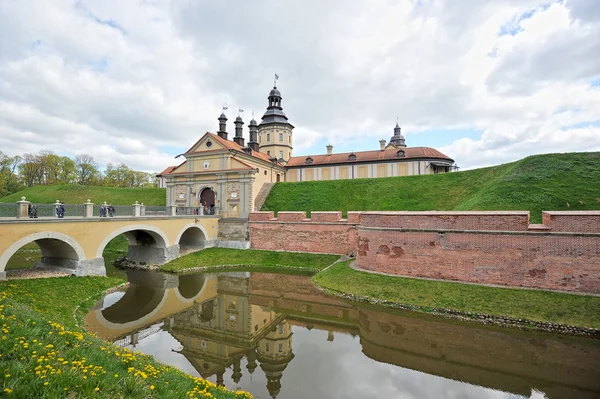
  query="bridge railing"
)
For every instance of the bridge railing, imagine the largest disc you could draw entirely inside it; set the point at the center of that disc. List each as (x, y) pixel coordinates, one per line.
(9, 210)
(154, 210)
(24, 209)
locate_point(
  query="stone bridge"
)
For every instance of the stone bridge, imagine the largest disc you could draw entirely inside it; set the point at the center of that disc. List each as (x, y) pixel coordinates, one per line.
(75, 244)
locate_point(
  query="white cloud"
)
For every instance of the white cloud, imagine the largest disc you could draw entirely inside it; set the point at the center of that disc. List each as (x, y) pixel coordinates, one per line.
(121, 80)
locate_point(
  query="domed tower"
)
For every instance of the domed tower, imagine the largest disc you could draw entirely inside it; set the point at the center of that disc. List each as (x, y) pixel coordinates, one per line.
(274, 131)
(397, 139)
(274, 353)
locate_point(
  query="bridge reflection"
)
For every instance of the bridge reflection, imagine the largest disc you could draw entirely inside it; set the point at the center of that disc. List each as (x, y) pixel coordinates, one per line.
(223, 321)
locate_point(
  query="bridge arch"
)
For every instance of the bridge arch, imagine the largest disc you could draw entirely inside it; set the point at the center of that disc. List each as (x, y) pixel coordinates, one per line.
(159, 238)
(58, 250)
(191, 237)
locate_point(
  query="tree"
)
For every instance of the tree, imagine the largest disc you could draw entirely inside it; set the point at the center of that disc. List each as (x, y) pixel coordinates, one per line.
(9, 179)
(86, 168)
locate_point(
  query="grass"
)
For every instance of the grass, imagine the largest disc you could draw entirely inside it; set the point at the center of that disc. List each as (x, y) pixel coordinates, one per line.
(535, 183)
(254, 259)
(546, 306)
(44, 352)
(75, 194)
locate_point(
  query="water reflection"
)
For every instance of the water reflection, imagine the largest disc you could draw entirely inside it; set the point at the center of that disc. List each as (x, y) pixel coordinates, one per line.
(278, 336)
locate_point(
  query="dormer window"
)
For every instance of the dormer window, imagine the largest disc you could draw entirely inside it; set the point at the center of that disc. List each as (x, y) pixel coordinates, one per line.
(352, 157)
(309, 160)
(208, 144)
(400, 154)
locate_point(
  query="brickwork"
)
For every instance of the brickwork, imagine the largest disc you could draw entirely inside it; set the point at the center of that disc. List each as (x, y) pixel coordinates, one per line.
(569, 263)
(573, 221)
(498, 221)
(325, 232)
(480, 247)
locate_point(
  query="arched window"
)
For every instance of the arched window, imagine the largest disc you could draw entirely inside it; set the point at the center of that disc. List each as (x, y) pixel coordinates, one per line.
(309, 160)
(400, 153)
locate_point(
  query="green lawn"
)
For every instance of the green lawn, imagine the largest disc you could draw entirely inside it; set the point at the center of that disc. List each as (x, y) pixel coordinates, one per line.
(44, 353)
(262, 260)
(535, 183)
(75, 194)
(546, 306)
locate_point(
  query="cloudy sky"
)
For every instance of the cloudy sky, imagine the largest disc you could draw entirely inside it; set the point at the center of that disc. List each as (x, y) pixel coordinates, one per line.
(139, 82)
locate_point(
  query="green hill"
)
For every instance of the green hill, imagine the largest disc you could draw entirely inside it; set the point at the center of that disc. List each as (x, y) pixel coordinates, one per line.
(74, 194)
(541, 182)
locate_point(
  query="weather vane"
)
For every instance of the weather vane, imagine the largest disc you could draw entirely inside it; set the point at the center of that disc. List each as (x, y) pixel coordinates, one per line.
(275, 81)
(225, 107)
(240, 111)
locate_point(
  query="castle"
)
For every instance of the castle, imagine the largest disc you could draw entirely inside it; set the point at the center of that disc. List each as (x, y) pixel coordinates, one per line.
(230, 174)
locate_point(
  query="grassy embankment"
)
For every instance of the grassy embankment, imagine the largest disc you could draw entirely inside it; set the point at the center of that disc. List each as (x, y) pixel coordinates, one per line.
(536, 183)
(44, 352)
(533, 305)
(250, 259)
(75, 194)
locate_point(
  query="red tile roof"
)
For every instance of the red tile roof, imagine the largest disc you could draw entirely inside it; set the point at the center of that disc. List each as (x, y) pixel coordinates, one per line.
(232, 145)
(369, 156)
(167, 171)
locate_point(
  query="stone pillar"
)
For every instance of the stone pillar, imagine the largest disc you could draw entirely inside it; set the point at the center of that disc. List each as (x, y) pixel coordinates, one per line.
(172, 210)
(88, 209)
(136, 210)
(23, 208)
(142, 209)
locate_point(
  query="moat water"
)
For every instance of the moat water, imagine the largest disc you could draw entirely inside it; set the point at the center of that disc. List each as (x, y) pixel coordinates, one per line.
(278, 336)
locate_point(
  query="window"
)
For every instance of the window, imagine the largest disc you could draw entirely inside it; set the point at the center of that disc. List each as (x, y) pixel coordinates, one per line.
(280, 136)
(290, 139)
(309, 160)
(259, 139)
(268, 346)
(209, 144)
(352, 157)
(280, 328)
(280, 348)
(280, 154)
(265, 172)
(268, 137)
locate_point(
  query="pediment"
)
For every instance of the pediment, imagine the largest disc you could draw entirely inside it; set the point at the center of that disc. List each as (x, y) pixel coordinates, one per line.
(206, 143)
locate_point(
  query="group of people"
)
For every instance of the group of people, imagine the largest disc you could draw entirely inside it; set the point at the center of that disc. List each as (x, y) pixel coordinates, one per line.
(107, 210)
(207, 210)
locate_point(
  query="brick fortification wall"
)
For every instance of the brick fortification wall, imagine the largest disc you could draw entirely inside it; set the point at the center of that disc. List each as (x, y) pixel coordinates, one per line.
(324, 232)
(480, 247)
(485, 247)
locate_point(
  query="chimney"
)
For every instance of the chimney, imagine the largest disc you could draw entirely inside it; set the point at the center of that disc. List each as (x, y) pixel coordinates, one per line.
(238, 131)
(253, 143)
(222, 126)
(382, 145)
(329, 149)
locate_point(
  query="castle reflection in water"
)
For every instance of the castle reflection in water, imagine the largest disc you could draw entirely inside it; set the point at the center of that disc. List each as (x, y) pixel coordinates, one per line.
(240, 322)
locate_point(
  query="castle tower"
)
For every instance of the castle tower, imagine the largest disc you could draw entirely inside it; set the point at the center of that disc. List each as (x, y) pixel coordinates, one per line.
(397, 139)
(274, 354)
(274, 131)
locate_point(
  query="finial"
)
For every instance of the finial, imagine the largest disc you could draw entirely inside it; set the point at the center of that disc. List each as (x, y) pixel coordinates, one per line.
(225, 106)
(23, 198)
(275, 81)
(240, 111)
(252, 114)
